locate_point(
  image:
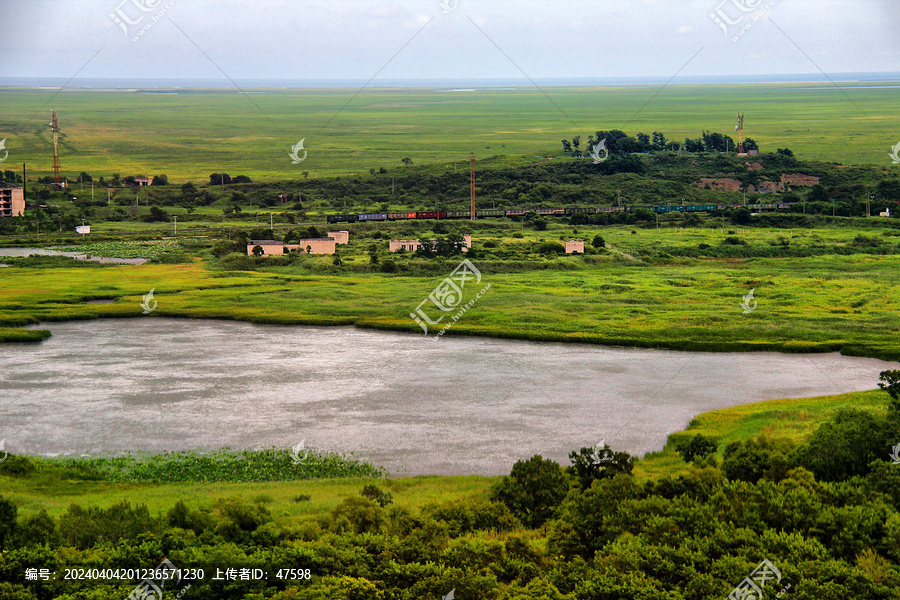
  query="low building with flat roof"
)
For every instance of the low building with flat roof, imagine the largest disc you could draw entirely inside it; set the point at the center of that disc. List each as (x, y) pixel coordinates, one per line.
(413, 245)
(574, 247)
(312, 246)
(269, 247)
(340, 237)
(12, 200)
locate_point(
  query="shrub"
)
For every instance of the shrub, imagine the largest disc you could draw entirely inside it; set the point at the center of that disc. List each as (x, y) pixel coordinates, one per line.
(8, 523)
(85, 527)
(518, 235)
(358, 515)
(533, 490)
(734, 241)
(591, 464)
(699, 446)
(844, 446)
(375, 494)
(598, 242)
(550, 248)
(756, 459)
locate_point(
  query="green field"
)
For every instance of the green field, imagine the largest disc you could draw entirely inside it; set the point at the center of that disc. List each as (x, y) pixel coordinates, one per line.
(197, 132)
(838, 292)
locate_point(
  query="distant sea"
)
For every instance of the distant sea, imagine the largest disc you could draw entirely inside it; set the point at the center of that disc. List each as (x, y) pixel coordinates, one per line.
(456, 84)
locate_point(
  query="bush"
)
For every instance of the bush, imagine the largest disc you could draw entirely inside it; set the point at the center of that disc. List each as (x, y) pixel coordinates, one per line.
(699, 446)
(844, 445)
(551, 248)
(598, 242)
(734, 241)
(357, 515)
(85, 527)
(533, 490)
(757, 459)
(237, 262)
(374, 493)
(592, 464)
(8, 523)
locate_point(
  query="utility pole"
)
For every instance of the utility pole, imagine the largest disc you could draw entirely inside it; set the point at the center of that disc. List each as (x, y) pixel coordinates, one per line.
(92, 189)
(176, 223)
(472, 186)
(271, 222)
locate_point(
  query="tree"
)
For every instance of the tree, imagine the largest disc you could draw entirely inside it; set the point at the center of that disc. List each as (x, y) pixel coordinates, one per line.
(258, 250)
(699, 446)
(84, 177)
(160, 180)
(241, 179)
(157, 214)
(598, 242)
(375, 494)
(576, 142)
(592, 464)
(889, 381)
(533, 490)
(756, 459)
(188, 191)
(407, 161)
(8, 523)
(784, 152)
(567, 146)
(844, 446)
(219, 178)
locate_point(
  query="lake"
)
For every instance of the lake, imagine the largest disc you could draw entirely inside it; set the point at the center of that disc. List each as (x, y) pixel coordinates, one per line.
(411, 404)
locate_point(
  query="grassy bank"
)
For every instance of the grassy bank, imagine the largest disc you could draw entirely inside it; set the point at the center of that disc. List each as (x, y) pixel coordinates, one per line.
(627, 295)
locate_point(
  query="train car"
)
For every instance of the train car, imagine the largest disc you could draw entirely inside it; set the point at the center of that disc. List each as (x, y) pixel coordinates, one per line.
(668, 209)
(458, 214)
(401, 216)
(432, 214)
(580, 210)
(342, 218)
(490, 212)
(611, 209)
(551, 212)
(373, 217)
(783, 205)
(700, 207)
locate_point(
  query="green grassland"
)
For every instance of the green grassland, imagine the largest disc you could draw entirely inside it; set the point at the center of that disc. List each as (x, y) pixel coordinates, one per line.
(833, 288)
(197, 132)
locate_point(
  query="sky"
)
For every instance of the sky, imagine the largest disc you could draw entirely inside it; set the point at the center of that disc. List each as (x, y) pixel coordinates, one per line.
(444, 39)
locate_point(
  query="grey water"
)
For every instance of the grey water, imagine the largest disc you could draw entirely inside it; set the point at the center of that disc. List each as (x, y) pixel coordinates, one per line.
(24, 252)
(412, 404)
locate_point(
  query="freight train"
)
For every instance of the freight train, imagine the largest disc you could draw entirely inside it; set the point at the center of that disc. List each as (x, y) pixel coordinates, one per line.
(548, 212)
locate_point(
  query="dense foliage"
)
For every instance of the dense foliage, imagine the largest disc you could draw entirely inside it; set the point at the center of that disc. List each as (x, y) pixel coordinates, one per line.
(825, 513)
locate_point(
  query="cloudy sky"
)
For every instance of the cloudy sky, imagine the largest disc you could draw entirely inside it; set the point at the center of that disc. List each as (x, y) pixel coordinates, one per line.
(415, 39)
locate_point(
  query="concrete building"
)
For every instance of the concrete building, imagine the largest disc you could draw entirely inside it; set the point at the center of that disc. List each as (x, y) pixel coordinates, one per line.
(269, 247)
(142, 181)
(340, 237)
(574, 246)
(413, 245)
(408, 245)
(312, 246)
(12, 200)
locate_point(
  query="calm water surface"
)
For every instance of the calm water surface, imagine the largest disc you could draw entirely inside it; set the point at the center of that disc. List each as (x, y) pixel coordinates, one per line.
(410, 404)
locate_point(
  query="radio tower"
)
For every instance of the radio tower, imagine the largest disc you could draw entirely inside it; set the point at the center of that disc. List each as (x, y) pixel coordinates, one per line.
(740, 128)
(472, 186)
(54, 125)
